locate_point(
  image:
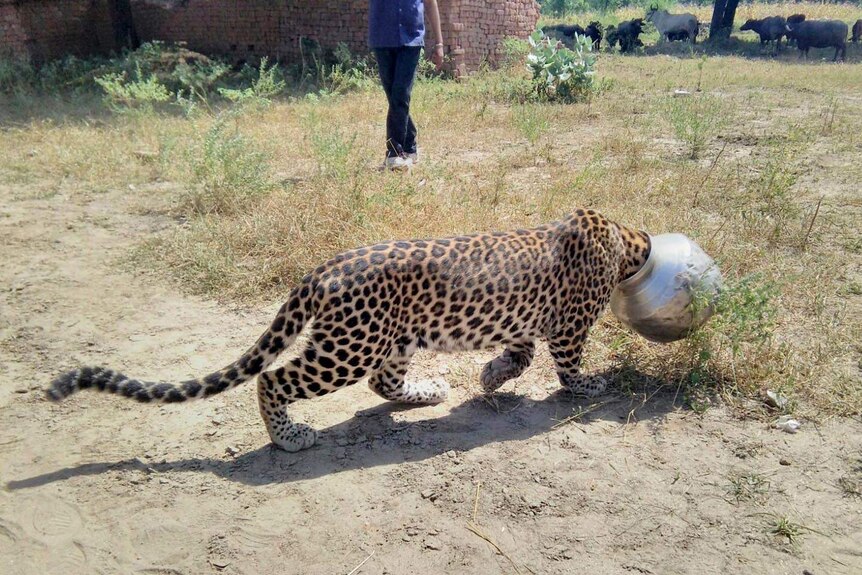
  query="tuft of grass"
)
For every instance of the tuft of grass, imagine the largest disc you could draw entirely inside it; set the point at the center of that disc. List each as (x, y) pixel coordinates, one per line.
(228, 171)
(696, 121)
(750, 486)
(851, 486)
(784, 528)
(851, 483)
(532, 121)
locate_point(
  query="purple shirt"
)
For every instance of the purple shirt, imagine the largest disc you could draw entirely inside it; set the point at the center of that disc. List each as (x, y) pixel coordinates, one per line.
(395, 23)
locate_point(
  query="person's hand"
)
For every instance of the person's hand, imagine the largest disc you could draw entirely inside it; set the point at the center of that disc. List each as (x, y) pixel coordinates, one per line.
(437, 56)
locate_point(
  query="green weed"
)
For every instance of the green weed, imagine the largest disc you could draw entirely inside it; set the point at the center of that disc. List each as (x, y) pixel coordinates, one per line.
(228, 169)
(695, 120)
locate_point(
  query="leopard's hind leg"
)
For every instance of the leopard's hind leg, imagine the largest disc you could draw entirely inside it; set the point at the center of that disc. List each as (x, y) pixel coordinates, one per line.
(323, 367)
(282, 430)
(389, 383)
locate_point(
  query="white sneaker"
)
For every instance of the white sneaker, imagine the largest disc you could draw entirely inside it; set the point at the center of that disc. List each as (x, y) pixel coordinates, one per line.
(398, 163)
(414, 157)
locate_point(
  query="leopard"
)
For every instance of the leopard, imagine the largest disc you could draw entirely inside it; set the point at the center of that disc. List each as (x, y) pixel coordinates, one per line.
(365, 312)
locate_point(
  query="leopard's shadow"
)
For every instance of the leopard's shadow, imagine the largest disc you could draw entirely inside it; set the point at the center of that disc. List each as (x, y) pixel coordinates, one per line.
(373, 437)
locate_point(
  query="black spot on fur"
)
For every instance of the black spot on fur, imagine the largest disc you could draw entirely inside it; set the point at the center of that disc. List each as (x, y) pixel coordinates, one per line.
(131, 388)
(161, 389)
(192, 388)
(254, 366)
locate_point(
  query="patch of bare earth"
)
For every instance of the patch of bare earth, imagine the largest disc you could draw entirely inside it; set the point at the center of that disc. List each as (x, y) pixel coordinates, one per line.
(99, 484)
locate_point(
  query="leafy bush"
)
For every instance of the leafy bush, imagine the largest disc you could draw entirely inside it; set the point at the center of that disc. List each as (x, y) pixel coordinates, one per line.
(514, 51)
(332, 72)
(561, 74)
(138, 94)
(330, 146)
(175, 66)
(15, 75)
(197, 80)
(67, 74)
(736, 346)
(228, 169)
(745, 313)
(268, 84)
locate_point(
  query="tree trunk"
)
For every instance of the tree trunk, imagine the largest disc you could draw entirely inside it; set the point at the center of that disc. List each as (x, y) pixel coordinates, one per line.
(125, 34)
(723, 14)
(729, 15)
(717, 18)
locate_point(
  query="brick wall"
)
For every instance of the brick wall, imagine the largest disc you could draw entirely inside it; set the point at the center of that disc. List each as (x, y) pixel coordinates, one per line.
(45, 29)
(42, 30)
(472, 29)
(13, 37)
(477, 27)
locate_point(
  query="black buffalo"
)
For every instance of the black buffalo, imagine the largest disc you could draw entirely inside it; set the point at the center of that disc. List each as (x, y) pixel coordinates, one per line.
(626, 35)
(566, 33)
(819, 34)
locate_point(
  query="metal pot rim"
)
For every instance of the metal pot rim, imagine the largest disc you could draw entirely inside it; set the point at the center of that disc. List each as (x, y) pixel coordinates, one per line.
(657, 242)
(645, 269)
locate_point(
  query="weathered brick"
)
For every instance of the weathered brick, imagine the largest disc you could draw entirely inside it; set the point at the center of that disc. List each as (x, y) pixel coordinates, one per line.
(46, 29)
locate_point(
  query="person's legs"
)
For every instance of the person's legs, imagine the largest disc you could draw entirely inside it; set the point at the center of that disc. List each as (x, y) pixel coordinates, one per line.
(386, 60)
(400, 127)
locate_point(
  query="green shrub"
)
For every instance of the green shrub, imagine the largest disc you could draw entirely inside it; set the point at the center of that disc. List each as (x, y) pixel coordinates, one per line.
(514, 51)
(745, 313)
(558, 73)
(330, 147)
(175, 66)
(531, 120)
(326, 73)
(15, 75)
(67, 74)
(138, 94)
(695, 120)
(228, 169)
(736, 345)
(268, 84)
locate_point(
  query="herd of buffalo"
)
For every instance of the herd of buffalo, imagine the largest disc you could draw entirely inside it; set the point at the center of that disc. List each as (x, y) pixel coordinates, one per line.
(797, 29)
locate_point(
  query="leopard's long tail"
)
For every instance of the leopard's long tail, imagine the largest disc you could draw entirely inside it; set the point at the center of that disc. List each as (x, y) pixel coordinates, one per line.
(288, 323)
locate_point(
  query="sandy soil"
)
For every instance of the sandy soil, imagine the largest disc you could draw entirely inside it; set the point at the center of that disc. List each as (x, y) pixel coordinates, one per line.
(100, 484)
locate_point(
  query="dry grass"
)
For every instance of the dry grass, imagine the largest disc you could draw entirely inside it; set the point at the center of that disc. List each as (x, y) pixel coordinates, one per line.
(789, 140)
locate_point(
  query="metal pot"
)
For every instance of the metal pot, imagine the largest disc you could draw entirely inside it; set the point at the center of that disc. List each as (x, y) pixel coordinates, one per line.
(658, 301)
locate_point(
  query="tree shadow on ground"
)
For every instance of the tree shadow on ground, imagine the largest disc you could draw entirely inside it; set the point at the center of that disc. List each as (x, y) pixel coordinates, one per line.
(751, 50)
(374, 438)
(19, 110)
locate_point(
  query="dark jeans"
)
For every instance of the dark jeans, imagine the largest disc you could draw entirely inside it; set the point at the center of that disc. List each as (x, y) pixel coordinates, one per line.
(397, 72)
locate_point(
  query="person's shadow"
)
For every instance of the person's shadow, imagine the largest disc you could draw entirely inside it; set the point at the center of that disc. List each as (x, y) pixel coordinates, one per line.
(373, 438)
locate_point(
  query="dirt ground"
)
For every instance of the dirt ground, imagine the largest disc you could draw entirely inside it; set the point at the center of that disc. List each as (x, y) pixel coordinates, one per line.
(100, 484)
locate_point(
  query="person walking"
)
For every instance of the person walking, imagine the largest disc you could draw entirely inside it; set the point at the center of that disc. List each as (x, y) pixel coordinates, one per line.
(396, 34)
